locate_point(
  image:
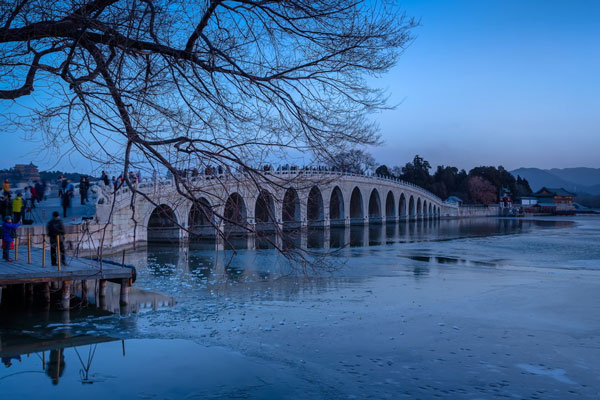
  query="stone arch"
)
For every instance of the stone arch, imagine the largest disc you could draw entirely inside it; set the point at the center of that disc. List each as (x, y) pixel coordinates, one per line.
(390, 206)
(200, 219)
(402, 206)
(419, 208)
(430, 210)
(336, 205)
(264, 208)
(411, 207)
(356, 205)
(425, 214)
(374, 205)
(314, 206)
(291, 206)
(235, 213)
(162, 224)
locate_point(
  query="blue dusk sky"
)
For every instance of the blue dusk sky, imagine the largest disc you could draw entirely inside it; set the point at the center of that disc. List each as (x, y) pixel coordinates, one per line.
(511, 82)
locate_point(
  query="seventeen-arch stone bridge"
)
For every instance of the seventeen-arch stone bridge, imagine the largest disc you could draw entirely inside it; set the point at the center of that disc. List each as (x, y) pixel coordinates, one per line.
(235, 203)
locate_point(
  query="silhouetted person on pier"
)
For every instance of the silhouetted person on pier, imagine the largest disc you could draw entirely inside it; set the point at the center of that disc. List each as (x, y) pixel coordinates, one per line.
(55, 228)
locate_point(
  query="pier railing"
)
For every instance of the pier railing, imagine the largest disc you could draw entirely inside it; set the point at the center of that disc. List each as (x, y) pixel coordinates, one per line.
(225, 176)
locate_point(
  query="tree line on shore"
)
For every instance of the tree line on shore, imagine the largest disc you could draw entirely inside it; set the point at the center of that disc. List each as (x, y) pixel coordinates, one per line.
(481, 185)
(47, 176)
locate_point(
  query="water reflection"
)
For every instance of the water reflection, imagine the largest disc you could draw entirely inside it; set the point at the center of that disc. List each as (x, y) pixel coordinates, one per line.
(50, 355)
(18, 305)
(147, 368)
(374, 234)
(239, 315)
(252, 257)
(35, 330)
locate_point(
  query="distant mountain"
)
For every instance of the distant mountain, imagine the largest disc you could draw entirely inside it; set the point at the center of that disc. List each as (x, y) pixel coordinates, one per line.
(594, 189)
(576, 180)
(579, 176)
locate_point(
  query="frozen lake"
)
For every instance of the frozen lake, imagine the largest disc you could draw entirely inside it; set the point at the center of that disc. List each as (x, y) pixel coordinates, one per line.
(462, 309)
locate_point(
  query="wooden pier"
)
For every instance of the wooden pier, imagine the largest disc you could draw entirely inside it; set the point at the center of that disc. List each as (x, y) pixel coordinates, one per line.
(31, 268)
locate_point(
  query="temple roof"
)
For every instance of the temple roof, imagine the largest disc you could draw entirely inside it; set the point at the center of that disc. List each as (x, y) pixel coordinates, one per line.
(551, 192)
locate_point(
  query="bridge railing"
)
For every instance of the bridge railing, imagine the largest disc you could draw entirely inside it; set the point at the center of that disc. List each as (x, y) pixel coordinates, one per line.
(151, 184)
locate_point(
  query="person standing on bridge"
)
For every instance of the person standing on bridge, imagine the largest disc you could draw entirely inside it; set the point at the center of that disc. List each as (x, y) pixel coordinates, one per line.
(28, 197)
(65, 201)
(38, 192)
(104, 178)
(9, 233)
(6, 187)
(54, 229)
(83, 190)
(60, 183)
(42, 192)
(4, 206)
(17, 207)
(33, 191)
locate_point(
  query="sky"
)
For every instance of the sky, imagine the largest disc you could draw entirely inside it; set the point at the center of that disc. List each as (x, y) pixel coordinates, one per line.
(512, 82)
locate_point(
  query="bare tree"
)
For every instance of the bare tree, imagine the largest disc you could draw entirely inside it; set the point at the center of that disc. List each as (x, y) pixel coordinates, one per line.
(481, 191)
(173, 84)
(355, 161)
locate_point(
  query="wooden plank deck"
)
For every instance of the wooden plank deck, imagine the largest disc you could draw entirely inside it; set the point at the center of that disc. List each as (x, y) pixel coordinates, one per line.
(15, 272)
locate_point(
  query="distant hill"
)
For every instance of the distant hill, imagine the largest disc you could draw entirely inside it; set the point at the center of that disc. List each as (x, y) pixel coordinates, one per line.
(579, 176)
(576, 180)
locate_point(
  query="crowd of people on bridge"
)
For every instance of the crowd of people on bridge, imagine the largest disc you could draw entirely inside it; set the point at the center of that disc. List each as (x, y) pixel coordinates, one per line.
(116, 182)
(17, 206)
(19, 203)
(219, 170)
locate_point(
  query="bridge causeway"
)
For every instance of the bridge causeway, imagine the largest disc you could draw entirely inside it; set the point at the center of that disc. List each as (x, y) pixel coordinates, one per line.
(237, 203)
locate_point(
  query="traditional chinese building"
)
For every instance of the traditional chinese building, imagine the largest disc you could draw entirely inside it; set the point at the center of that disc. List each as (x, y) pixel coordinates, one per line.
(26, 172)
(557, 200)
(505, 198)
(21, 174)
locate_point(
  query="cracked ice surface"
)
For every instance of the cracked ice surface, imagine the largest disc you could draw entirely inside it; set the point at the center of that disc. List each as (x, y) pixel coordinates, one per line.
(444, 309)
